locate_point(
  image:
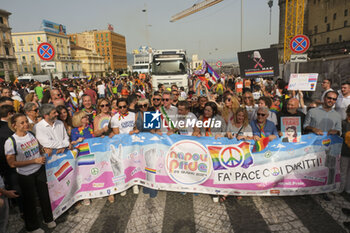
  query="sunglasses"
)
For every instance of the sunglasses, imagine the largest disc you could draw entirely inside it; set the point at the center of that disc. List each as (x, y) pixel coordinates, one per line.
(330, 98)
(35, 110)
(261, 114)
(104, 105)
(248, 97)
(138, 96)
(166, 100)
(228, 99)
(156, 99)
(124, 106)
(143, 105)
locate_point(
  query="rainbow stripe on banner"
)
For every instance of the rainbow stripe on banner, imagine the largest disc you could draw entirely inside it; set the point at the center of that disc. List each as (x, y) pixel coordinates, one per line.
(259, 72)
(261, 144)
(63, 171)
(214, 153)
(86, 160)
(84, 149)
(248, 159)
(150, 170)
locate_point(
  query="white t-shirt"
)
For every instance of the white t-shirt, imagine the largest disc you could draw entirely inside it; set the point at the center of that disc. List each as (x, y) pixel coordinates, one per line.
(27, 149)
(101, 89)
(125, 124)
(341, 105)
(187, 120)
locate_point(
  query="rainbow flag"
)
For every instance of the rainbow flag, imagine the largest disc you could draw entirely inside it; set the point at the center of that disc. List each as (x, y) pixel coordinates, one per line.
(248, 159)
(214, 153)
(63, 171)
(275, 108)
(326, 142)
(84, 149)
(261, 144)
(150, 170)
(86, 160)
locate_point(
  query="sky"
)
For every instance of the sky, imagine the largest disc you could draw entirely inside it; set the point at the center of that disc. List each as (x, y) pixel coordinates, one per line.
(213, 33)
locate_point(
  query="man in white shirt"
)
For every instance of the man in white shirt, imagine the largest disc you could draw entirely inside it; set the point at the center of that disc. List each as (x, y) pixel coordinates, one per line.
(343, 100)
(124, 121)
(51, 132)
(101, 90)
(187, 120)
(326, 85)
(169, 113)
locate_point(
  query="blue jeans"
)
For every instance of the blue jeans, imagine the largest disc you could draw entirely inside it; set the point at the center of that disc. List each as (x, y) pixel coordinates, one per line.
(152, 192)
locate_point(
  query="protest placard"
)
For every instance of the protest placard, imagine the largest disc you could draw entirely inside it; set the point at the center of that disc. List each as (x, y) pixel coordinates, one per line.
(303, 82)
(291, 129)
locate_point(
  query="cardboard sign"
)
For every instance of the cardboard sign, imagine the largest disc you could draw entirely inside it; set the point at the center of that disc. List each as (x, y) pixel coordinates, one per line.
(302, 82)
(291, 129)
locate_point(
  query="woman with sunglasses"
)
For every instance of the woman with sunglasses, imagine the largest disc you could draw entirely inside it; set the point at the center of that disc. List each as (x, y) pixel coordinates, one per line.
(101, 121)
(249, 104)
(228, 110)
(65, 117)
(23, 153)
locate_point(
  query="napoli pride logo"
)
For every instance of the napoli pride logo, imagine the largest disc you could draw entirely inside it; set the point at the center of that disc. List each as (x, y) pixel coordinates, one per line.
(151, 120)
(188, 162)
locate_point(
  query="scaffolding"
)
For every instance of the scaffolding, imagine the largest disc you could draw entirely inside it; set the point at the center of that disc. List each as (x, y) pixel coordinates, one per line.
(294, 24)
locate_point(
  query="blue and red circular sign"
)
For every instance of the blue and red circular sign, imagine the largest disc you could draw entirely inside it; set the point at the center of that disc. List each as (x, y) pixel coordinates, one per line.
(300, 44)
(46, 51)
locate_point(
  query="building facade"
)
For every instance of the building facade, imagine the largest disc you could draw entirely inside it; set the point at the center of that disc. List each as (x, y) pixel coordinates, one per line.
(8, 64)
(26, 44)
(92, 63)
(108, 44)
(326, 23)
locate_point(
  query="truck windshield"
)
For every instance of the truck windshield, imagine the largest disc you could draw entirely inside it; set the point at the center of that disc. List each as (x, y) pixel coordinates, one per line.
(169, 66)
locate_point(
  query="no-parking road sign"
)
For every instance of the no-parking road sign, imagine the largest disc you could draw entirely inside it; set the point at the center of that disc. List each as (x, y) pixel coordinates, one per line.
(46, 51)
(300, 44)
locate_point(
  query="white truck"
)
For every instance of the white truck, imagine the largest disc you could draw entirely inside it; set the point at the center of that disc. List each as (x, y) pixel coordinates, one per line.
(30, 78)
(169, 67)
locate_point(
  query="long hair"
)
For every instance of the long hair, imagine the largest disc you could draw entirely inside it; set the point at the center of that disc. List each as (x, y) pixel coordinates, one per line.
(225, 112)
(99, 102)
(68, 121)
(245, 112)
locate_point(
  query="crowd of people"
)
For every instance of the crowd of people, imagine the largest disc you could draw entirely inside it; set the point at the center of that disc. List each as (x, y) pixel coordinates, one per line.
(38, 120)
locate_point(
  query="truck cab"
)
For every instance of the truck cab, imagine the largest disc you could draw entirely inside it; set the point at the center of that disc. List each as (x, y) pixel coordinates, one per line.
(169, 67)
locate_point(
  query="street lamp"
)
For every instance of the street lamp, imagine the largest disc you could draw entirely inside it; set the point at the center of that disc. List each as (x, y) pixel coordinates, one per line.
(270, 4)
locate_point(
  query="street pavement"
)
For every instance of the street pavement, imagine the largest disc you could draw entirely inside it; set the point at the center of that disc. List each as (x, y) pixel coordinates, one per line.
(173, 212)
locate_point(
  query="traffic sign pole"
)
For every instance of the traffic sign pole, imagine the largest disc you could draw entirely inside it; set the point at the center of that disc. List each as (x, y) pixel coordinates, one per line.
(46, 52)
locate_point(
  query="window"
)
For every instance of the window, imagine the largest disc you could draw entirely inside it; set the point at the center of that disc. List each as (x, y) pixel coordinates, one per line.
(325, 19)
(327, 40)
(25, 69)
(346, 12)
(7, 51)
(24, 58)
(31, 49)
(1, 20)
(106, 35)
(334, 16)
(345, 23)
(38, 38)
(315, 41)
(328, 27)
(72, 67)
(340, 38)
(316, 29)
(1, 65)
(32, 58)
(34, 69)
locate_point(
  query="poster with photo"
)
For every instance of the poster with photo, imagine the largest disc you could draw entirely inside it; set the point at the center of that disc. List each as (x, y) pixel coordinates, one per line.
(291, 129)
